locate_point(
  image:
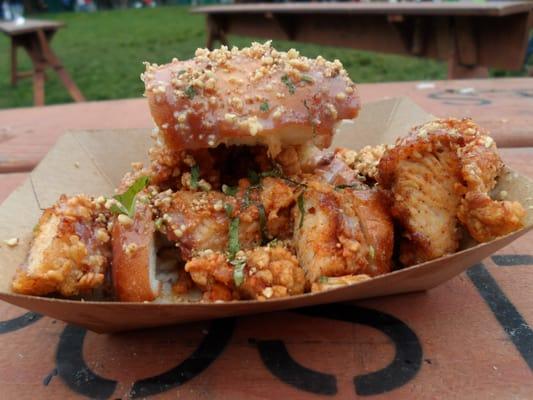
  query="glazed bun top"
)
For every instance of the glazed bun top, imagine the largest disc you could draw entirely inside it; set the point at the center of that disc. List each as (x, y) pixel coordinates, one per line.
(256, 95)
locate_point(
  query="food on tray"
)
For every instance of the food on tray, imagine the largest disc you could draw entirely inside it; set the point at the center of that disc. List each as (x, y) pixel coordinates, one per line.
(438, 176)
(242, 200)
(71, 249)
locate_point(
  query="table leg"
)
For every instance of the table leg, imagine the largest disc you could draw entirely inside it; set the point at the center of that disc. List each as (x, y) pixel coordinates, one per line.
(464, 57)
(31, 45)
(215, 31)
(13, 61)
(52, 60)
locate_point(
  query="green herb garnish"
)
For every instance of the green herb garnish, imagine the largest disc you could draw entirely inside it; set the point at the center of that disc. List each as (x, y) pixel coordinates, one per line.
(229, 190)
(371, 252)
(254, 177)
(233, 240)
(262, 223)
(125, 202)
(195, 176)
(190, 92)
(158, 223)
(238, 270)
(348, 186)
(301, 208)
(307, 78)
(264, 106)
(289, 83)
(229, 209)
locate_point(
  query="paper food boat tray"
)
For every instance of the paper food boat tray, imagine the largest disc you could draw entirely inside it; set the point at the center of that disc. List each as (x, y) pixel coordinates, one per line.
(93, 163)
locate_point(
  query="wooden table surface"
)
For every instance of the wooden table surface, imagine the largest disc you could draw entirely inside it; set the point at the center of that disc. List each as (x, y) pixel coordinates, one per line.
(470, 338)
(11, 28)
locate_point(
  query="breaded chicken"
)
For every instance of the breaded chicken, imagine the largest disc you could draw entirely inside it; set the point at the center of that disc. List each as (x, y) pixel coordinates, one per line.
(423, 175)
(266, 272)
(198, 221)
(341, 232)
(70, 250)
(433, 176)
(487, 219)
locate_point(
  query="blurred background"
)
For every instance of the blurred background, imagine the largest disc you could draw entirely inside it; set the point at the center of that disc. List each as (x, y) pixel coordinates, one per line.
(106, 41)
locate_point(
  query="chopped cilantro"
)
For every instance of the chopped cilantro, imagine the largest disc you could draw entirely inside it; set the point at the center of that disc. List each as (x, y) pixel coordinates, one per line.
(289, 83)
(262, 223)
(159, 223)
(238, 270)
(348, 186)
(229, 190)
(190, 92)
(233, 241)
(371, 252)
(301, 208)
(254, 177)
(195, 176)
(276, 172)
(264, 106)
(229, 209)
(125, 202)
(307, 78)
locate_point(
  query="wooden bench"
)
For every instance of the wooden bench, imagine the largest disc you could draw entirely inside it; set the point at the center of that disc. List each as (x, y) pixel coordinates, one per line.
(469, 36)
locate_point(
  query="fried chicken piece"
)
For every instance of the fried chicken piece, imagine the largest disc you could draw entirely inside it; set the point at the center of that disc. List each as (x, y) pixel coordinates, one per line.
(487, 219)
(434, 175)
(198, 221)
(277, 197)
(267, 272)
(330, 166)
(70, 250)
(423, 177)
(341, 232)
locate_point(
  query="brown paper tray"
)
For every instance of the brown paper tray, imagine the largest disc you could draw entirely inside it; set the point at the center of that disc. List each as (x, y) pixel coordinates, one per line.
(93, 163)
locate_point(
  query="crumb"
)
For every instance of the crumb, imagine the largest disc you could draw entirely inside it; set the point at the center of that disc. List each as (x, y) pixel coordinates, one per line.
(12, 242)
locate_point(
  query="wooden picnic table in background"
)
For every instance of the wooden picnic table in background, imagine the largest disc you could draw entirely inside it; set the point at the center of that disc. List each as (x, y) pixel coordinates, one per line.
(470, 36)
(469, 338)
(35, 36)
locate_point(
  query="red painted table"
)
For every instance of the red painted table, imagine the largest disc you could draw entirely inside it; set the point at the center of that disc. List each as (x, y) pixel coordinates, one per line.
(470, 338)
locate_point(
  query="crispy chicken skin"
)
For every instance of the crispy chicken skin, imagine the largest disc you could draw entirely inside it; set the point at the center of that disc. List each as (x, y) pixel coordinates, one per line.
(70, 250)
(269, 272)
(255, 95)
(438, 173)
(342, 232)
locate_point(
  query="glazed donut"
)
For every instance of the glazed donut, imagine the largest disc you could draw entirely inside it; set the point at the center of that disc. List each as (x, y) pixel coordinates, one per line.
(256, 95)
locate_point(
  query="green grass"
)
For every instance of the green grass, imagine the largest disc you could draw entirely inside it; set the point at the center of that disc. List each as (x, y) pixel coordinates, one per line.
(104, 52)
